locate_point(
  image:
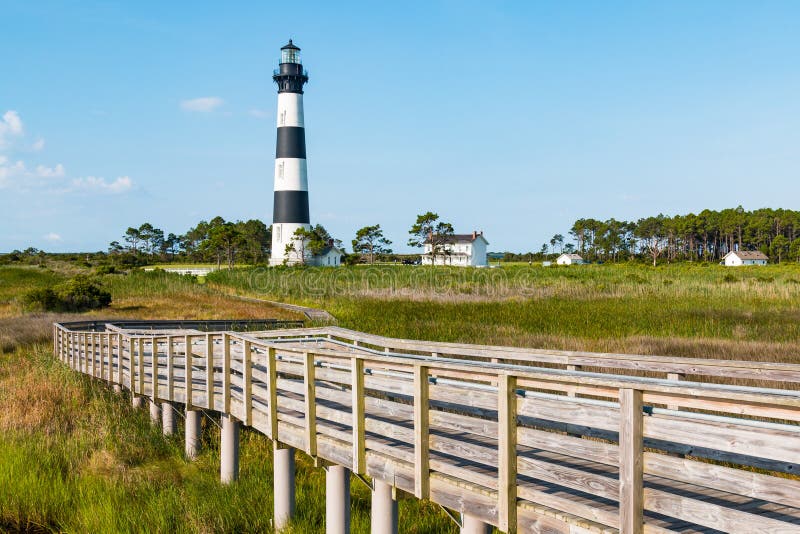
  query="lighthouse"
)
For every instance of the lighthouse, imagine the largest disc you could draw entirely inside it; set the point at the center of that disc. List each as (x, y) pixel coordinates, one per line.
(290, 203)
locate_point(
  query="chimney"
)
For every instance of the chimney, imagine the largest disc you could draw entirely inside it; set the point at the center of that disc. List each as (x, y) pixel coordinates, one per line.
(474, 235)
(330, 242)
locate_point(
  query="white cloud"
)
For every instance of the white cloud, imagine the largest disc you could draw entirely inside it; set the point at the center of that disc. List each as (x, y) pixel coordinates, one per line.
(52, 236)
(203, 104)
(10, 125)
(50, 172)
(92, 183)
(38, 145)
(258, 113)
(8, 170)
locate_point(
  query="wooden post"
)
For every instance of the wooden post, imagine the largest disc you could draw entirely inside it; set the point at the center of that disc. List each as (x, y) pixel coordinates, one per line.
(187, 365)
(170, 369)
(631, 425)
(572, 368)
(120, 357)
(154, 369)
(105, 350)
(677, 377)
(272, 375)
(507, 453)
(90, 346)
(210, 370)
(247, 383)
(132, 367)
(140, 371)
(226, 373)
(359, 442)
(311, 407)
(421, 432)
(85, 368)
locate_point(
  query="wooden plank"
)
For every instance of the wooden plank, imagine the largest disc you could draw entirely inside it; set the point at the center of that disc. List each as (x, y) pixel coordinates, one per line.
(170, 368)
(731, 437)
(737, 481)
(226, 373)
(309, 381)
(631, 472)
(421, 432)
(358, 414)
(507, 452)
(272, 373)
(188, 382)
(247, 383)
(210, 371)
(712, 515)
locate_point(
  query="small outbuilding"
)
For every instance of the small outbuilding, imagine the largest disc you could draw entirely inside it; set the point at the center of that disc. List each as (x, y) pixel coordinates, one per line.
(744, 257)
(570, 259)
(330, 256)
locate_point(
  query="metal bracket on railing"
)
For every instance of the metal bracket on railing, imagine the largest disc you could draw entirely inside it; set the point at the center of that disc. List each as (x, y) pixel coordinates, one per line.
(458, 519)
(363, 481)
(211, 419)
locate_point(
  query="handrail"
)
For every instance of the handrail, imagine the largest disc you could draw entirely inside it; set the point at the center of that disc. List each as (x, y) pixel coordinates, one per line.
(515, 445)
(732, 369)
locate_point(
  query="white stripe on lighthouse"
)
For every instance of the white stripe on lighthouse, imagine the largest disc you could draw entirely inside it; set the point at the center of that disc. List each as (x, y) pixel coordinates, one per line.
(291, 174)
(290, 109)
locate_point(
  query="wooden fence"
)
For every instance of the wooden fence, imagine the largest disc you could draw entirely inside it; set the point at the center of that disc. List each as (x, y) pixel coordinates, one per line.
(481, 430)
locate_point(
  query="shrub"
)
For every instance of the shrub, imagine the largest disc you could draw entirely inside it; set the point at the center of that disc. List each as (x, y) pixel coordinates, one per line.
(78, 294)
(106, 269)
(43, 299)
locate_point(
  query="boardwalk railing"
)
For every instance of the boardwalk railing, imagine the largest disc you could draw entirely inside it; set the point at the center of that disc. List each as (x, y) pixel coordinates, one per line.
(519, 447)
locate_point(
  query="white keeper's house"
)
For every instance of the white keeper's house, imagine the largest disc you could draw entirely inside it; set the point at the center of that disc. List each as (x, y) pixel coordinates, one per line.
(737, 258)
(461, 250)
(570, 259)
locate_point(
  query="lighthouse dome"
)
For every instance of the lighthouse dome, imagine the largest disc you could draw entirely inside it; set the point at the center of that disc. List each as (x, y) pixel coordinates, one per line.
(290, 53)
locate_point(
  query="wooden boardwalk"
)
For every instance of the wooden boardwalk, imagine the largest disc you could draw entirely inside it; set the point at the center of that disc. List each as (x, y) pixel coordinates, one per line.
(520, 439)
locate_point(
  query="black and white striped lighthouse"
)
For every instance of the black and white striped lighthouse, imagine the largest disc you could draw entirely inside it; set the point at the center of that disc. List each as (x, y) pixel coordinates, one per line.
(290, 209)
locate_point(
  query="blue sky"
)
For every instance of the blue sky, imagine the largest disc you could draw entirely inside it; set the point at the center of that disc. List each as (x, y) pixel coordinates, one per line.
(511, 117)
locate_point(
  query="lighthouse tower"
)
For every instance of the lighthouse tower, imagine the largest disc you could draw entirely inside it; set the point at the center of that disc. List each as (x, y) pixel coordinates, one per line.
(290, 210)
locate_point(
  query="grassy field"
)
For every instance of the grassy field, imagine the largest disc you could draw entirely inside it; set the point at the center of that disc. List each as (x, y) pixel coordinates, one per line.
(77, 458)
(686, 310)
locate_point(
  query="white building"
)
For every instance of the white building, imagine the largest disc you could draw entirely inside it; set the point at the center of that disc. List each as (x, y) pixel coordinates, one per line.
(570, 259)
(330, 256)
(462, 250)
(744, 257)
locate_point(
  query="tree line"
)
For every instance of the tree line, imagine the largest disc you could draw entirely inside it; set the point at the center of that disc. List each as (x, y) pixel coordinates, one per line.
(706, 236)
(250, 242)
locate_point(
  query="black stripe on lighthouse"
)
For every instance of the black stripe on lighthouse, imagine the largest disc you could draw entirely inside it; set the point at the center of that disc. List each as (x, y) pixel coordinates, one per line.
(291, 142)
(291, 207)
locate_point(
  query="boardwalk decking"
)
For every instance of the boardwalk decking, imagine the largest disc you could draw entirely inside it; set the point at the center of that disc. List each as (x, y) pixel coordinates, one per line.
(488, 431)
